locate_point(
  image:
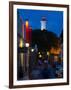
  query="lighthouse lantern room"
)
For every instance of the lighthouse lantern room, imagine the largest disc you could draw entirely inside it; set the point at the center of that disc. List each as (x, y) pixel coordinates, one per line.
(43, 24)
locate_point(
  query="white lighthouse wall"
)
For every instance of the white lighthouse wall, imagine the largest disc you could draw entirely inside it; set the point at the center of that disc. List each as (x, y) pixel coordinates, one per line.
(43, 25)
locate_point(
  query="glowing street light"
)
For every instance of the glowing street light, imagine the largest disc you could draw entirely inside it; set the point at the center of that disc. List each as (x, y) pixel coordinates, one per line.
(32, 50)
(27, 45)
(40, 56)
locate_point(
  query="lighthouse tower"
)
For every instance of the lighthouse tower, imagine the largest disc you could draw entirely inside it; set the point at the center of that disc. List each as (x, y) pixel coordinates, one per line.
(43, 24)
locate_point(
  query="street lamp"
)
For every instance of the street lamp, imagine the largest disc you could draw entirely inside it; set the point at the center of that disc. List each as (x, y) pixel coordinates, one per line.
(27, 45)
(40, 56)
(32, 50)
(27, 61)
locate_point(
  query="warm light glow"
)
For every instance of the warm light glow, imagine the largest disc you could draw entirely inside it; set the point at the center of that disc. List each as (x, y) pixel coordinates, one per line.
(27, 31)
(27, 23)
(55, 51)
(48, 53)
(27, 44)
(40, 55)
(21, 43)
(32, 50)
(56, 58)
(38, 52)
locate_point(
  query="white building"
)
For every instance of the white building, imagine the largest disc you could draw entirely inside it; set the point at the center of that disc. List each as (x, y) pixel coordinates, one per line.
(43, 23)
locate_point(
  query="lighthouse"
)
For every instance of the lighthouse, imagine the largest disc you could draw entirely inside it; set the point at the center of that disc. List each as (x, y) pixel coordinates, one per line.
(43, 24)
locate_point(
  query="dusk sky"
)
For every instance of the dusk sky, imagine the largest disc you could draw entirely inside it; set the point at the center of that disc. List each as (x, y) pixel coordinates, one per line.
(54, 19)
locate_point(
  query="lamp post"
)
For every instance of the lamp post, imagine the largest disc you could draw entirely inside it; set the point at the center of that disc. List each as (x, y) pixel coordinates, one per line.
(27, 60)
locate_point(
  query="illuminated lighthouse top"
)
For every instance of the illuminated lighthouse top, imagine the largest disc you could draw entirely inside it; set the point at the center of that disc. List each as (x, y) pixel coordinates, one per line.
(43, 23)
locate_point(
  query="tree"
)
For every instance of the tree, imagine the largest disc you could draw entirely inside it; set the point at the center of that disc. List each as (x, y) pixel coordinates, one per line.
(44, 39)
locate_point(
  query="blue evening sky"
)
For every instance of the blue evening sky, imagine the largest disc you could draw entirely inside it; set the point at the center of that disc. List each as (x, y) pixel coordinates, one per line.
(54, 19)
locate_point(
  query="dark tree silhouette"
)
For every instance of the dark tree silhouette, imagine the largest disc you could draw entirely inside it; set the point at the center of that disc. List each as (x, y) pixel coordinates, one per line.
(44, 39)
(61, 37)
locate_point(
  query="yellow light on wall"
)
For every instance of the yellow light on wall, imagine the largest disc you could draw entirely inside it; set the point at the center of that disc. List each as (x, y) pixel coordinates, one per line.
(27, 23)
(21, 43)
